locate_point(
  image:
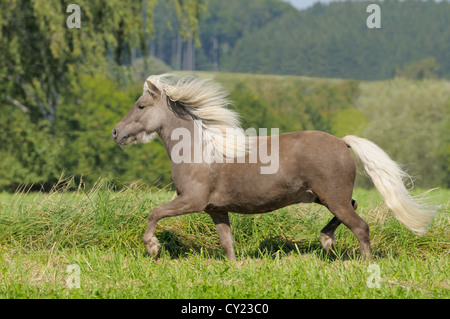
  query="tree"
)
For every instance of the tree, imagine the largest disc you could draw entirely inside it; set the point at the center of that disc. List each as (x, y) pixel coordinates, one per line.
(44, 75)
(84, 126)
(220, 25)
(41, 58)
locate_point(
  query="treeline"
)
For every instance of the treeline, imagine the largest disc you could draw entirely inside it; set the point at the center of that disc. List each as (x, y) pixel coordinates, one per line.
(221, 25)
(270, 36)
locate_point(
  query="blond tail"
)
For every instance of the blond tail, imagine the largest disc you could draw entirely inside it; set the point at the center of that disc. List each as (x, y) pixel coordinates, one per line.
(388, 177)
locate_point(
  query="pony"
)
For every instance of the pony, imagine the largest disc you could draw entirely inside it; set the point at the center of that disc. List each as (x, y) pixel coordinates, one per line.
(217, 168)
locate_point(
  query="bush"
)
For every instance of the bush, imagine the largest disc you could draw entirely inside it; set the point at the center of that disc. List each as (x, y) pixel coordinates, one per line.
(29, 153)
(409, 119)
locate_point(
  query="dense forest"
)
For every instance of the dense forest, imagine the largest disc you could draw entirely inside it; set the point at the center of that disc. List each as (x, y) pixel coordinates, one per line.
(62, 90)
(270, 36)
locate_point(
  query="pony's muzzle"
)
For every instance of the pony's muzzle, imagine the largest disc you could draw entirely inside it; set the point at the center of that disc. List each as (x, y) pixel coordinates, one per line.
(119, 137)
(116, 135)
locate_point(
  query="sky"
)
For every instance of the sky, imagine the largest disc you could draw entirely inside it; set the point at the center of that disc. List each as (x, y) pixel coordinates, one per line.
(303, 4)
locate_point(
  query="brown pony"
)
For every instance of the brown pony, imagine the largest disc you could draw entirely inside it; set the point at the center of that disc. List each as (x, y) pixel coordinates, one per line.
(218, 169)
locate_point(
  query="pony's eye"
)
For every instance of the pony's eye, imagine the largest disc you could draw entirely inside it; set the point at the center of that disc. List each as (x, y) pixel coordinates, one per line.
(141, 107)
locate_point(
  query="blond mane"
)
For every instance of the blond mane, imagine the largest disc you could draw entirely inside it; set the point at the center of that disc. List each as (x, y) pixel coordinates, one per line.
(207, 103)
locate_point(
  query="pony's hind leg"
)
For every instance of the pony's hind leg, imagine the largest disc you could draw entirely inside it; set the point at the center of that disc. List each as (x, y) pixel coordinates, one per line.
(222, 222)
(346, 214)
(327, 234)
(327, 237)
(356, 224)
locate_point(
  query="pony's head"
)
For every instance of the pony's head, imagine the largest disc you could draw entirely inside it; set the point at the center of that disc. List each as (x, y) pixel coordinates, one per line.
(144, 119)
(167, 97)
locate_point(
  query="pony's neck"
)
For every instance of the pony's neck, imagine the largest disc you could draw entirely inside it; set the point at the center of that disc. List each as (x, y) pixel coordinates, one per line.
(169, 139)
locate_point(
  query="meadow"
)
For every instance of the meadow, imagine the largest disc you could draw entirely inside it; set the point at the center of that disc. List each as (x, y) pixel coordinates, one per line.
(52, 243)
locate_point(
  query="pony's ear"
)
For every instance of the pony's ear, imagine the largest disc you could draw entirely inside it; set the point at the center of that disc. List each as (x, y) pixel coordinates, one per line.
(152, 89)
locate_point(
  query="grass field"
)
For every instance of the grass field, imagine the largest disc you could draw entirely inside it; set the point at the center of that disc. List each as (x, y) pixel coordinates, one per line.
(51, 243)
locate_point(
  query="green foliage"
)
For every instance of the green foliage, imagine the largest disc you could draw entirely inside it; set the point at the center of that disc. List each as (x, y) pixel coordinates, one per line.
(271, 37)
(188, 13)
(85, 124)
(443, 153)
(61, 92)
(334, 41)
(251, 106)
(226, 22)
(29, 155)
(423, 69)
(291, 103)
(349, 122)
(42, 59)
(409, 119)
(80, 144)
(220, 25)
(138, 71)
(57, 107)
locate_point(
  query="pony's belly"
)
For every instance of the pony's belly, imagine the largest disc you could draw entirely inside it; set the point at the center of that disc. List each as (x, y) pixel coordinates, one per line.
(263, 204)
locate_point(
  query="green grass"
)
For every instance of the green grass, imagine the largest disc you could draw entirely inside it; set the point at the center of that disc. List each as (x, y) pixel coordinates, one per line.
(279, 253)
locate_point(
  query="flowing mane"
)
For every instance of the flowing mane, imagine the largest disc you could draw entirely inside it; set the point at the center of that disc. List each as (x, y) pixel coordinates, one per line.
(205, 102)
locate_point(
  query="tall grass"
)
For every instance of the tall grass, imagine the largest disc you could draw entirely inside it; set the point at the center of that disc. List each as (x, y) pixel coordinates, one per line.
(279, 253)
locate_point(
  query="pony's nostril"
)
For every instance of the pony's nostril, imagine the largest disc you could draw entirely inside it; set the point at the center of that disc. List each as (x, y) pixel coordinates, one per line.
(114, 133)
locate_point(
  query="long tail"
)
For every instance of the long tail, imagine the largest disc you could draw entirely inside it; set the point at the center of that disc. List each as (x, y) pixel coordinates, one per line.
(388, 177)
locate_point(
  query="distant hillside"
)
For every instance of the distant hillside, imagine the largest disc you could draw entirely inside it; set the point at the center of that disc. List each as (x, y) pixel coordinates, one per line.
(270, 36)
(334, 41)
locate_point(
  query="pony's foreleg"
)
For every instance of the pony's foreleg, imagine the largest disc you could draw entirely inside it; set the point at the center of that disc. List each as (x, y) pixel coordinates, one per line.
(179, 206)
(222, 222)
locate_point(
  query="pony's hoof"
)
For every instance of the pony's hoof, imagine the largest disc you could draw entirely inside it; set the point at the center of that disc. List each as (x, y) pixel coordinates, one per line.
(327, 241)
(153, 247)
